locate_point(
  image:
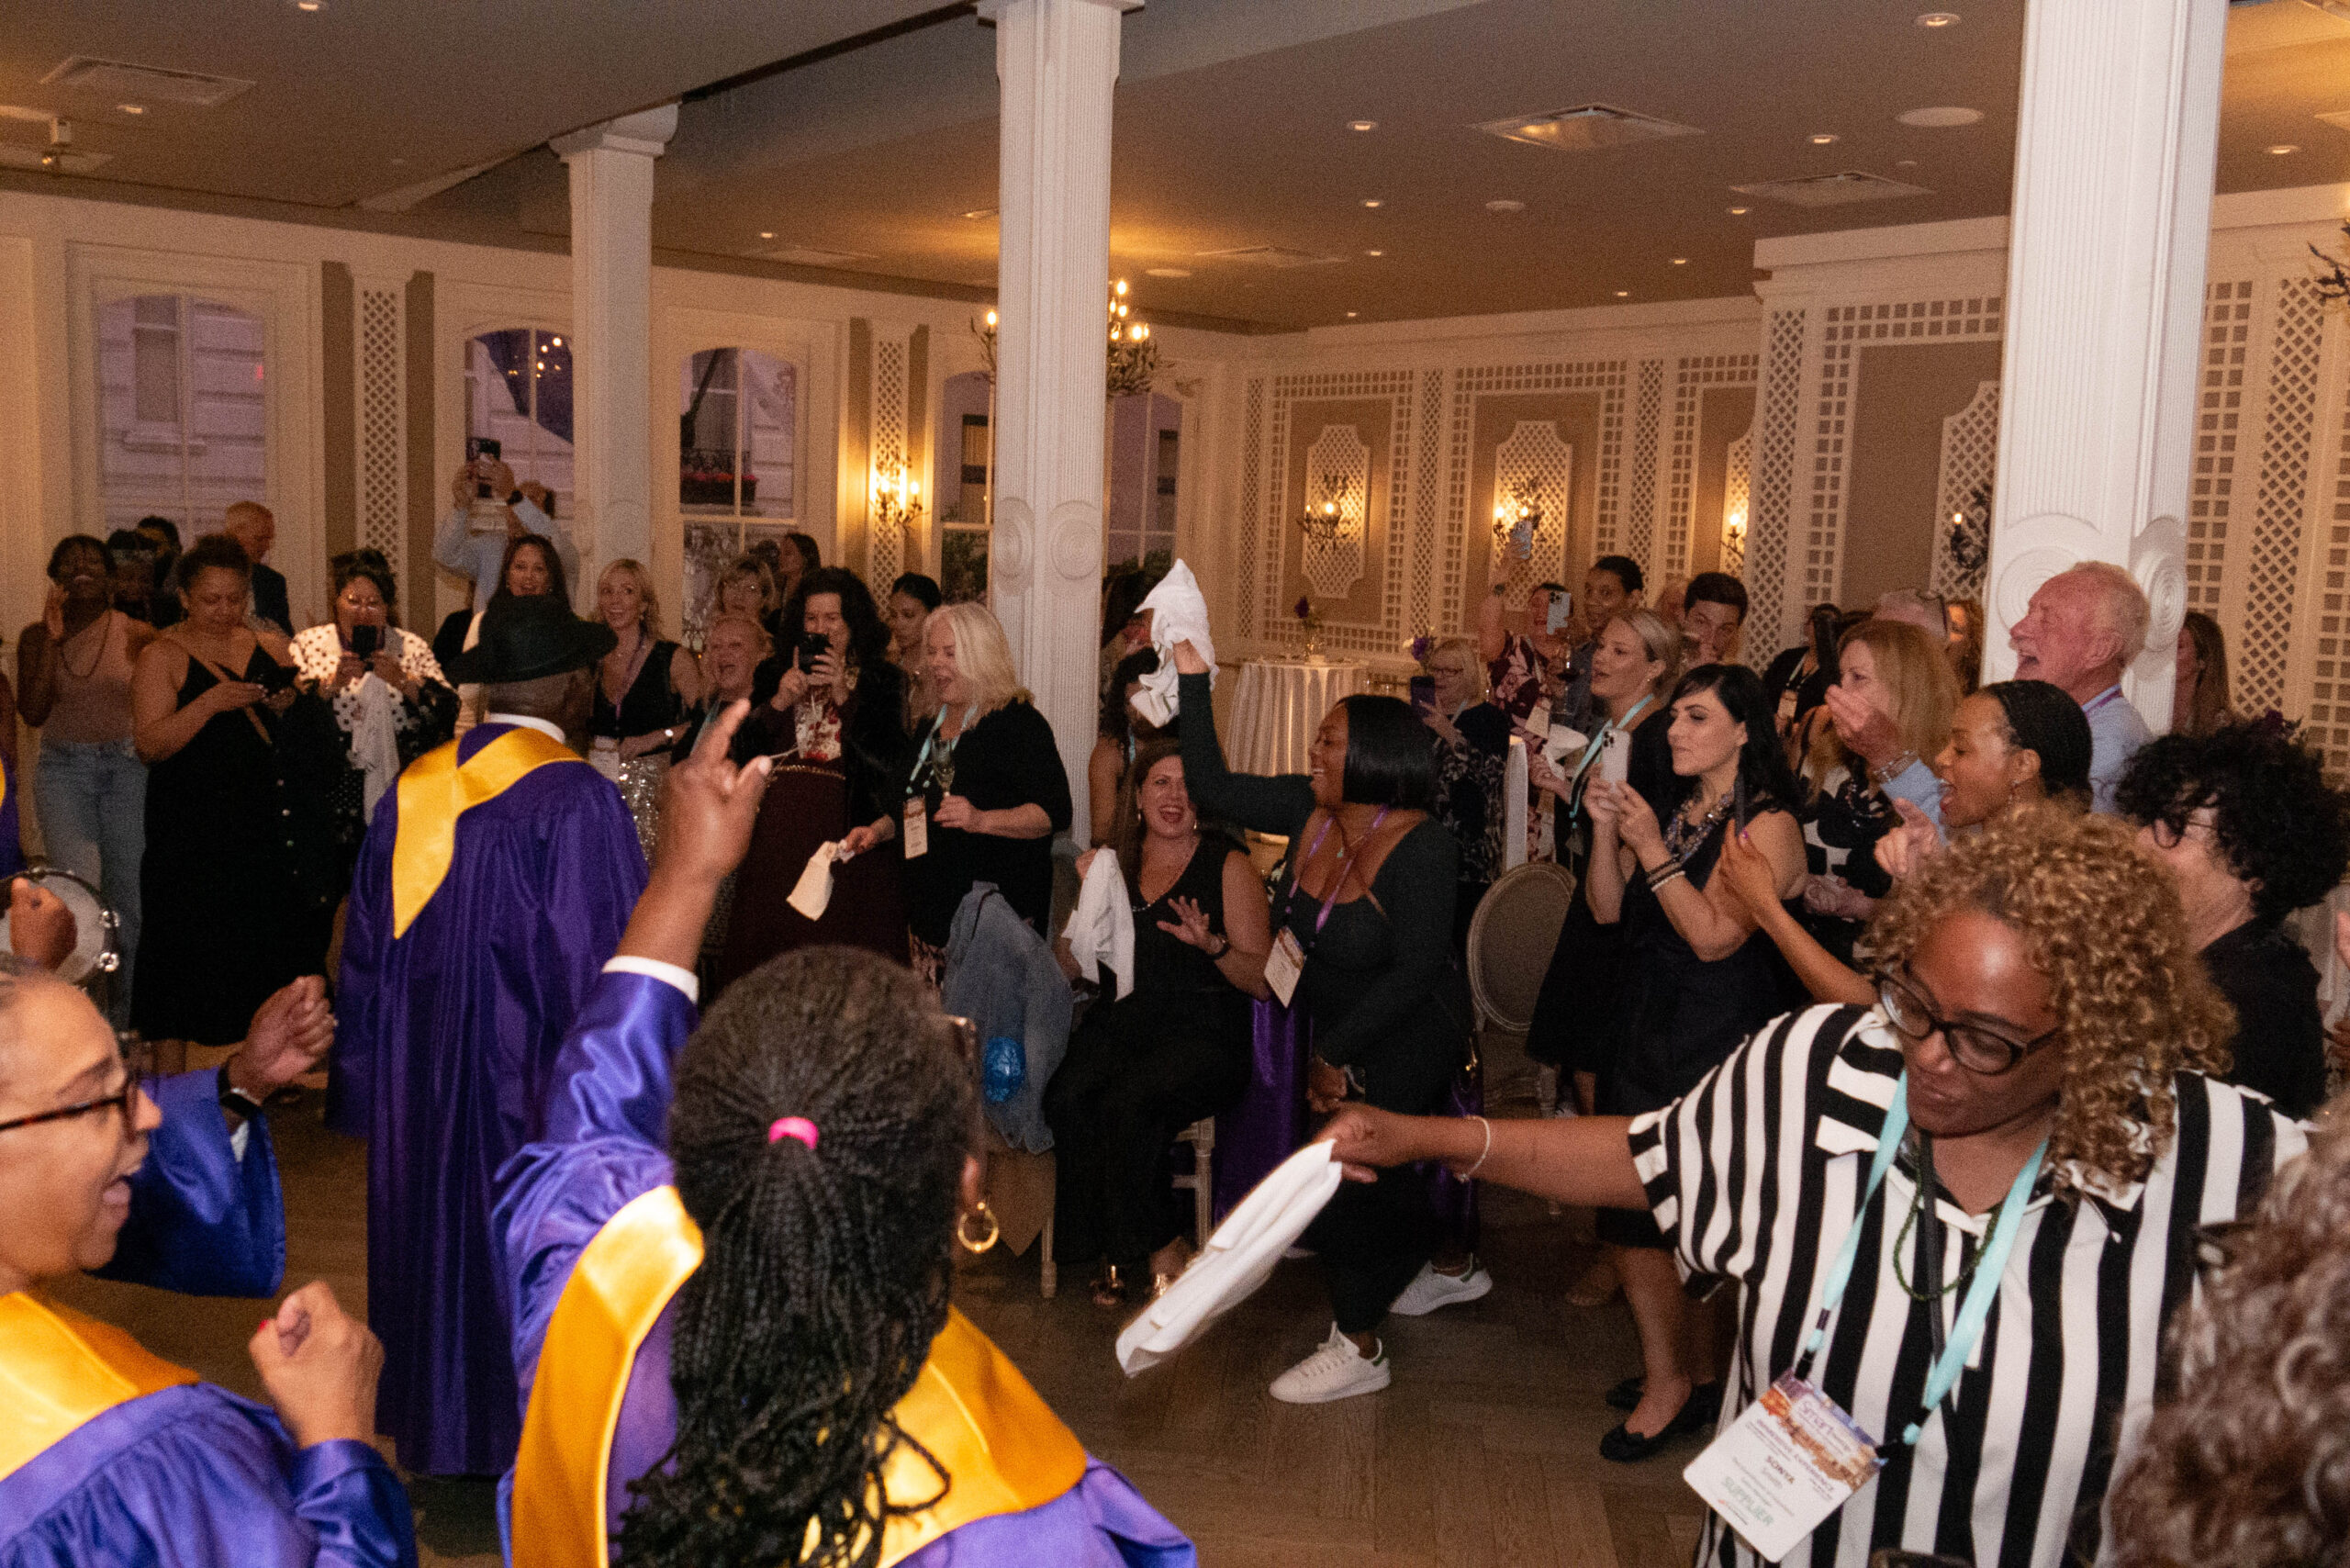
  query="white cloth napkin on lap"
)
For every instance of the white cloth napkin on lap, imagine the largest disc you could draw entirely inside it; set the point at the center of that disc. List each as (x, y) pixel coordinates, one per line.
(1239, 1258)
(813, 891)
(1177, 615)
(1101, 929)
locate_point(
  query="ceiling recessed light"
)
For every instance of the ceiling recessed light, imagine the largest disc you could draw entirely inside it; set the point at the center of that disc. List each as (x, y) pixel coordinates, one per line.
(1374, 253)
(1372, 201)
(1623, 294)
(1739, 211)
(981, 212)
(766, 233)
(1822, 137)
(1168, 271)
(1905, 163)
(1679, 260)
(400, 163)
(1504, 206)
(132, 108)
(1362, 125)
(309, 5)
(1350, 315)
(1938, 19)
(2281, 149)
(1940, 118)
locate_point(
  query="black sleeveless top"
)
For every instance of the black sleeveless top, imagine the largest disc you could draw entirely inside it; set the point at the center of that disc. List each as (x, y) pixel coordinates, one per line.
(1179, 988)
(650, 703)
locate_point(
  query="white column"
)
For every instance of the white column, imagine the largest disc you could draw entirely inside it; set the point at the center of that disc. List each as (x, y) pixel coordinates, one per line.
(1057, 61)
(611, 334)
(2115, 152)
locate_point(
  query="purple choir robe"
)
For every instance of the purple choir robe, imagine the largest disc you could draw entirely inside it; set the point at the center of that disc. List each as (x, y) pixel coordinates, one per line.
(193, 1476)
(607, 1126)
(444, 1048)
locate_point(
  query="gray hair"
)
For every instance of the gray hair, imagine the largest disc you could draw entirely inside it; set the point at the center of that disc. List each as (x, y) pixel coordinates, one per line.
(2122, 607)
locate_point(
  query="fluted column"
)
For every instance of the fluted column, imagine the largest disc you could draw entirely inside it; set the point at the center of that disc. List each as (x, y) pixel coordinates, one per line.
(612, 332)
(2115, 150)
(1056, 64)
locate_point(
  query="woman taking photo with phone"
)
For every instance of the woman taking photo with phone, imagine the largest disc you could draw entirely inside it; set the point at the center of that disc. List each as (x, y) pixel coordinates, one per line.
(1697, 981)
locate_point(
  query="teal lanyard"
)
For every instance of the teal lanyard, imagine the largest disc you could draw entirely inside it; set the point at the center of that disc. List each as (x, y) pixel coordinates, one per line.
(1989, 1269)
(922, 758)
(1597, 744)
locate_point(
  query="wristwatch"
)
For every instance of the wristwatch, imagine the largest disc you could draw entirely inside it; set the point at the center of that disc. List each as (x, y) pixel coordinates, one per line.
(1221, 951)
(235, 1101)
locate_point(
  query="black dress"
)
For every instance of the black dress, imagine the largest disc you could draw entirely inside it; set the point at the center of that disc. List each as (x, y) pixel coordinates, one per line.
(650, 703)
(1469, 803)
(1386, 1001)
(2279, 1044)
(226, 921)
(1679, 1016)
(1007, 758)
(1140, 1069)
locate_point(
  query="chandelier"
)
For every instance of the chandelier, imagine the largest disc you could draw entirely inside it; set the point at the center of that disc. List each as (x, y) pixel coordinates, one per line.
(894, 496)
(1132, 361)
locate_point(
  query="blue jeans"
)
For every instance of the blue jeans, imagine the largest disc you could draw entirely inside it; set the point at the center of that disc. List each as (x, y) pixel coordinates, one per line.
(93, 805)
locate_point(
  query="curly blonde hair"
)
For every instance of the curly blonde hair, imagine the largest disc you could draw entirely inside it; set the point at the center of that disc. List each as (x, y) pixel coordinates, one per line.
(2102, 922)
(2250, 1462)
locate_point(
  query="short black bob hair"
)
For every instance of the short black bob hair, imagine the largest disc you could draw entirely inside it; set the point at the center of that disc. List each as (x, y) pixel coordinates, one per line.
(921, 589)
(2281, 828)
(73, 542)
(1391, 759)
(1623, 569)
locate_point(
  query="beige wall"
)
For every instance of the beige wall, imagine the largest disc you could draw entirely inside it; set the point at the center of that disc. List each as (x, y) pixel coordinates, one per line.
(1903, 393)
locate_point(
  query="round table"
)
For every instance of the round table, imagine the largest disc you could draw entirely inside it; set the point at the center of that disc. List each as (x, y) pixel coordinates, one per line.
(1278, 706)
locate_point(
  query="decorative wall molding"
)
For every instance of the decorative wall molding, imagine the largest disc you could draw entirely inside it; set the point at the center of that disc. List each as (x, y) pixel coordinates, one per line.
(2227, 332)
(379, 330)
(1738, 493)
(1639, 511)
(2259, 659)
(1385, 499)
(1337, 461)
(1970, 460)
(1534, 464)
(892, 452)
(1770, 523)
(1603, 376)
(1691, 378)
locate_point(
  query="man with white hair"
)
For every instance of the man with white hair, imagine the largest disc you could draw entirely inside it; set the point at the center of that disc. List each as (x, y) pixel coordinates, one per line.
(2080, 632)
(254, 526)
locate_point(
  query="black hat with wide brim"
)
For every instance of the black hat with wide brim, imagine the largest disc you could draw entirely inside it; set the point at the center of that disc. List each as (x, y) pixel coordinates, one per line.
(525, 639)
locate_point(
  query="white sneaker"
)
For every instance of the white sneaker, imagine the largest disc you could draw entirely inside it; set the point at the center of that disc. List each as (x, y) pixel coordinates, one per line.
(1430, 1290)
(1336, 1370)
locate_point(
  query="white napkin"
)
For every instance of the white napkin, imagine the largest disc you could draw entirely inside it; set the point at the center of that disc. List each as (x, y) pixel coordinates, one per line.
(1102, 927)
(375, 741)
(1239, 1258)
(1177, 615)
(813, 891)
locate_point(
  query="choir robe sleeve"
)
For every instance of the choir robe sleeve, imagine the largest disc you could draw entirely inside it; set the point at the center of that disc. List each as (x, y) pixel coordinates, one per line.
(607, 1128)
(194, 1477)
(204, 1219)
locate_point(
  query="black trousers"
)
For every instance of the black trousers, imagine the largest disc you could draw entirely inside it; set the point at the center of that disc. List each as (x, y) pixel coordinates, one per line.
(1373, 1238)
(1129, 1083)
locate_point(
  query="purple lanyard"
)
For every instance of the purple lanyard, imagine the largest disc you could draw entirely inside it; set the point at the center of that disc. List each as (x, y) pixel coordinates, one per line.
(1297, 875)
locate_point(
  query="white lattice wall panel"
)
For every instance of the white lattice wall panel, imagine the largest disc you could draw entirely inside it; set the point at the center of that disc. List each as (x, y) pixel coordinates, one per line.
(886, 552)
(381, 387)
(1280, 541)
(2227, 341)
(2329, 688)
(1427, 523)
(1639, 509)
(1255, 517)
(1738, 493)
(1970, 462)
(1770, 524)
(1691, 376)
(1606, 377)
(1337, 473)
(2264, 644)
(1536, 465)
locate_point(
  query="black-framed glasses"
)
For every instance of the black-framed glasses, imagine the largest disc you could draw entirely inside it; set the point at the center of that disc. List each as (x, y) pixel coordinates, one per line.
(1973, 1047)
(2172, 828)
(137, 1069)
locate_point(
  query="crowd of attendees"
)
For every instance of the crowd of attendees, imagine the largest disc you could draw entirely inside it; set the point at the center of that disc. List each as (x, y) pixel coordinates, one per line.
(1860, 890)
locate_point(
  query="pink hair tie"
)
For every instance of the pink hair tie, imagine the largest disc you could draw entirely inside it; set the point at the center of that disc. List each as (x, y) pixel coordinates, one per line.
(799, 1127)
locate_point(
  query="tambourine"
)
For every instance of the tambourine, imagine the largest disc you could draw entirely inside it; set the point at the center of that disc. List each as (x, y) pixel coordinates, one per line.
(95, 925)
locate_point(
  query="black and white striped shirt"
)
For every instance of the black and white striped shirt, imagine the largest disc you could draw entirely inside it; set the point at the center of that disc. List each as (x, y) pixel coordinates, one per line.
(1754, 1177)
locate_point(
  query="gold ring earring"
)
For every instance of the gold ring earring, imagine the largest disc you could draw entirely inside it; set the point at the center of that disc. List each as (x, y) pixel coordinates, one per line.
(962, 1234)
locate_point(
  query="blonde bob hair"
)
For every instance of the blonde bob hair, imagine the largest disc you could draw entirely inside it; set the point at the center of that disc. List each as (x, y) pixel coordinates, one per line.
(1662, 644)
(760, 639)
(981, 654)
(1914, 666)
(1473, 667)
(648, 602)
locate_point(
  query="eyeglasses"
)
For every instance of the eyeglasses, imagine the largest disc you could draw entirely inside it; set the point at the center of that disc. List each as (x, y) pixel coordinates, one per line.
(2170, 831)
(137, 1068)
(1984, 1051)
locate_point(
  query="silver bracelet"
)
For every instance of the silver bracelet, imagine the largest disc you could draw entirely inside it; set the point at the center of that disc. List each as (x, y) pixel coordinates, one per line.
(1482, 1153)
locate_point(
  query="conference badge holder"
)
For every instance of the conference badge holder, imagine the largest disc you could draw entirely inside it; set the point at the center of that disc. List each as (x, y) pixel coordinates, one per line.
(917, 828)
(1784, 1466)
(1284, 964)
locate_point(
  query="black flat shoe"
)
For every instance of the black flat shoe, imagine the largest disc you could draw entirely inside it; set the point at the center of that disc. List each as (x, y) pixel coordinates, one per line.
(1703, 1408)
(1626, 1395)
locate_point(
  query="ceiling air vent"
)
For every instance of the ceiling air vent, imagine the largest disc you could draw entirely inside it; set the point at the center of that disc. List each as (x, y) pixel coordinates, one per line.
(1279, 256)
(69, 161)
(144, 84)
(1831, 190)
(1586, 128)
(809, 256)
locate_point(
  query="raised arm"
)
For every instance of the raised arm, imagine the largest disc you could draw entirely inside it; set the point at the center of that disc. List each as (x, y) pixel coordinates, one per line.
(1585, 1160)
(1269, 805)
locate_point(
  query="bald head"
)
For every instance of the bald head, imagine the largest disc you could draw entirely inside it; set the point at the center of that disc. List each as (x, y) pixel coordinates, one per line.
(252, 525)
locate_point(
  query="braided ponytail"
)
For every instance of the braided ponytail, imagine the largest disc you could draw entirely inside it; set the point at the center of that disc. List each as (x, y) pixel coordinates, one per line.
(824, 1271)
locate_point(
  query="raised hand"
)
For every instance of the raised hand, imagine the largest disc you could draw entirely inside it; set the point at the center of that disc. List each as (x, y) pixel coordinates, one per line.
(1905, 849)
(1190, 925)
(1749, 873)
(319, 1365)
(41, 930)
(708, 804)
(1867, 732)
(291, 1030)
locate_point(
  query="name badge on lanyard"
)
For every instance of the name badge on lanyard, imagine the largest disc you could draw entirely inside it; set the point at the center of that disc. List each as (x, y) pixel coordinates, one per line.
(915, 831)
(1284, 964)
(1794, 1456)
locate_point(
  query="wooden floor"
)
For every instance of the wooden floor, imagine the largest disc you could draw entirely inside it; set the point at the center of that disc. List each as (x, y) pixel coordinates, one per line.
(1482, 1452)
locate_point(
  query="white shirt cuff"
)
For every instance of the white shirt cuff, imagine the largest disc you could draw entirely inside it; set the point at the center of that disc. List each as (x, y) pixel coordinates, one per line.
(240, 1139)
(683, 980)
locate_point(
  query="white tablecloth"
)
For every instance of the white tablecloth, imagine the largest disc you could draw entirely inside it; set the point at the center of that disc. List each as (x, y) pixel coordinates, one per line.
(1278, 706)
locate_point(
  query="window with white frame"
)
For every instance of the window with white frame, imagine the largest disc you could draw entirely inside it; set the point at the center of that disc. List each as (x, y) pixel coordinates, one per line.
(517, 394)
(182, 413)
(738, 442)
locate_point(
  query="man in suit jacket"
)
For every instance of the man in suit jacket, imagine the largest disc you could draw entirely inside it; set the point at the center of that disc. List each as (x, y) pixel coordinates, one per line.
(251, 524)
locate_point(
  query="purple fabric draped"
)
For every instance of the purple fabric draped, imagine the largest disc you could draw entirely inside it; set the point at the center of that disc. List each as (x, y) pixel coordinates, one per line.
(201, 1221)
(606, 1122)
(1269, 1123)
(445, 1056)
(1455, 1199)
(12, 849)
(194, 1477)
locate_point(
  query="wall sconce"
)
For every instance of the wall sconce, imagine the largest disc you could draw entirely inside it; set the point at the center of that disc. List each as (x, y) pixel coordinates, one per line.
(895, 496)
(987, 342)
(1734, 529)
(1326, 520)
(1517, 512)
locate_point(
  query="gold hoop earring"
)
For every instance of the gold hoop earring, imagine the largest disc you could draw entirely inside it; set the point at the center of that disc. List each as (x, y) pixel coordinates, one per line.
(962, 1235)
